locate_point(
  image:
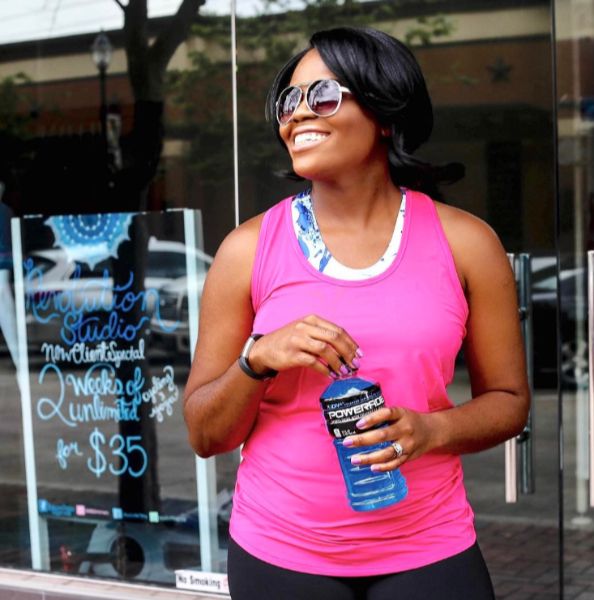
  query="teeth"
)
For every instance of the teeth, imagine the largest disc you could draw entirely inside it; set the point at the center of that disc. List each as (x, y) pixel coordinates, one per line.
(308, 137)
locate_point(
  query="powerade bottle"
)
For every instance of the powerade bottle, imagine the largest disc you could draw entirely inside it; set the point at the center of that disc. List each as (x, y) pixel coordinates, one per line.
(344, 402)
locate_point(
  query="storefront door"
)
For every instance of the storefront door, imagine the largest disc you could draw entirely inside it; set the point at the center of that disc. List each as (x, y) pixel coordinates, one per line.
(535, 525)
(574, 23)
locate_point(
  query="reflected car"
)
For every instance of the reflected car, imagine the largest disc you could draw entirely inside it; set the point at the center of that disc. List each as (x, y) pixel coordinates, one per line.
(55, 274)
(146, 552)
(572, 294)
(175, 337)
(173, 310)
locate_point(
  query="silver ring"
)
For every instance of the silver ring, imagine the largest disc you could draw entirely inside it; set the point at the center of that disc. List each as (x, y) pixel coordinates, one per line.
(398, 449)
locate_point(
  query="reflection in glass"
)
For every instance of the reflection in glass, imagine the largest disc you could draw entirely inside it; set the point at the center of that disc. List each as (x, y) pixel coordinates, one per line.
(115, 484)
(574, 93)
(151, 131)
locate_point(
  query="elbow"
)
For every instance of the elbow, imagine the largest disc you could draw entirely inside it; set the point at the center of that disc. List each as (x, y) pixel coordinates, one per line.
(198, 437)
(211, 430)
(202, 434)
(205, 447)
(523, 400)
(201, 449)
(197, 430)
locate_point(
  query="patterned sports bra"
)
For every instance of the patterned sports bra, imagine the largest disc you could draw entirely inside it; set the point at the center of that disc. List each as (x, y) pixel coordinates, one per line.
(314, 249)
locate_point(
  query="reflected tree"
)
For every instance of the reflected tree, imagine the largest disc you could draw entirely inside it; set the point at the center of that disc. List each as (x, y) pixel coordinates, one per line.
(127, 189)
(147, 67)
(266, 42)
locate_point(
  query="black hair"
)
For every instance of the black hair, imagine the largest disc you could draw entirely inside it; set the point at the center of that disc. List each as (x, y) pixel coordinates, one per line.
(386, 79)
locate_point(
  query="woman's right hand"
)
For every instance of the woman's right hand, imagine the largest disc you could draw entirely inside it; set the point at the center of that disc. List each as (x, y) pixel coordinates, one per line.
(309, 342)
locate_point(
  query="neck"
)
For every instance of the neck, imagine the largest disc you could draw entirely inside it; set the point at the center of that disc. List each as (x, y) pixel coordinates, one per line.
(356, 200)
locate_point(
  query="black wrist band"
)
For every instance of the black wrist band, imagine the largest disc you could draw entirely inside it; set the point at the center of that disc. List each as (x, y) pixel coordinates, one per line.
(244, 364)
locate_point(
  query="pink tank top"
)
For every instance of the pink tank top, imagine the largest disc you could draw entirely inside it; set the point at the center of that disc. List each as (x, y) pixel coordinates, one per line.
(290, 507)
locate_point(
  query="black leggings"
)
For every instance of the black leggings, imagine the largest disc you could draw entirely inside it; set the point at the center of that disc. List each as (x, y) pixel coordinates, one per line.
(460, 577)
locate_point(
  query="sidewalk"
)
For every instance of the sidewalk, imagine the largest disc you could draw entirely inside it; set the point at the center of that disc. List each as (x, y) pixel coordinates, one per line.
(516, 578)
(24, 585)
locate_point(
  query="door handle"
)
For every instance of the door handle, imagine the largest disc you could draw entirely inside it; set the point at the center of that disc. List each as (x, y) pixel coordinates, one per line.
(591, 372)
(522, 444)
(525, 439)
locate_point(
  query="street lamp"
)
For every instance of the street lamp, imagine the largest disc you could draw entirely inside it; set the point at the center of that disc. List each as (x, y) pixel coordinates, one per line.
(101, 51)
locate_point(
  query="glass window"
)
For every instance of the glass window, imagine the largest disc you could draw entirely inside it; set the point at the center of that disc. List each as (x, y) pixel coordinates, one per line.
(111, 112)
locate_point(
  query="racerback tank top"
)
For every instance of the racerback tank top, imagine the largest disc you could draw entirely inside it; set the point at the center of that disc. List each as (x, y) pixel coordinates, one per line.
(290, 507)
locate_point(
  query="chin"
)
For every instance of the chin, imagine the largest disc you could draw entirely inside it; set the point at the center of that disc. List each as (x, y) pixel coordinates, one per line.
(309, 171)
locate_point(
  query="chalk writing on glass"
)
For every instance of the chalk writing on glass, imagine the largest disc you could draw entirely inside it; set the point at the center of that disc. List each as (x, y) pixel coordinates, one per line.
(95, 371)
(81, 353)
(64, 451)
(119, 448)
(93, 310)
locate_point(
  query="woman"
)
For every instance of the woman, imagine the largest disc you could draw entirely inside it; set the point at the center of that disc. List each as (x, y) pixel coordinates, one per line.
(361, 273)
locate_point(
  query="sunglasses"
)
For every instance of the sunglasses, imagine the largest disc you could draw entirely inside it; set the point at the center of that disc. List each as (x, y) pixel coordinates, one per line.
(322, 97)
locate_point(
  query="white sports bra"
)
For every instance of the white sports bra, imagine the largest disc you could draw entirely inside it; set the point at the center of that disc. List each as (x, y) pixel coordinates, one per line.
(313, 246)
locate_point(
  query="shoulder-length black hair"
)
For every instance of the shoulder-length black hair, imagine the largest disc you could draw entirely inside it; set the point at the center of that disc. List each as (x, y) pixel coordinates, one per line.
(385, 78)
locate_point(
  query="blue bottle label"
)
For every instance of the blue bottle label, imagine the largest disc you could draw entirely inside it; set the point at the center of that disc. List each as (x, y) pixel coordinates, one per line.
(342, 413)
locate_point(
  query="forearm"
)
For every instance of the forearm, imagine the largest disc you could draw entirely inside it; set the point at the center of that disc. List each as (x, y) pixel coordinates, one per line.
(221, 413)
(479, 424)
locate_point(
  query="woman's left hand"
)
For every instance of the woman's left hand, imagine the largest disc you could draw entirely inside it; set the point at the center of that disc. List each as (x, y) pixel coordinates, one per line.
(406, 430)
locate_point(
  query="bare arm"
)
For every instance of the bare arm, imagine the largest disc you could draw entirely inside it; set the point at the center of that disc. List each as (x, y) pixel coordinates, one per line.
(494, 352)
(494, 349)
(221, 402)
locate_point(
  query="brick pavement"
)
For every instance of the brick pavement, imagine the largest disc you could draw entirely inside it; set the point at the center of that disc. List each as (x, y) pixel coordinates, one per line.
(523, 559)
(515, 578)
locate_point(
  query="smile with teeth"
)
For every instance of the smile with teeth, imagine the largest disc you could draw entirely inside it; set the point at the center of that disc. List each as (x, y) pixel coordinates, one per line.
(309, 137)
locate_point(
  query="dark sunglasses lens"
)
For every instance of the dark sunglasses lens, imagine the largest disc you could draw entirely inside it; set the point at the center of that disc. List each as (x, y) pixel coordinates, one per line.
(287, 104)
(323, 97)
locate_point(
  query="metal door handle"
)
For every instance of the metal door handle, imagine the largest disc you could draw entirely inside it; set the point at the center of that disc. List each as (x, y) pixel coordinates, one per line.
(511, 471)
(525, 439)
(591, 372)
(520, 264)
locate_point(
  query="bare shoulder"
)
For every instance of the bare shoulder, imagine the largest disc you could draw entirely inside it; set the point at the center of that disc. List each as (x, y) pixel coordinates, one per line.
(475, 246)
(244, 238)
(236, 253)
(226, 313)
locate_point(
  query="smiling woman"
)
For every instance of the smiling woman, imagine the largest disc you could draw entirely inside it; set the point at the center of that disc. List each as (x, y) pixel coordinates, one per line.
(321, 140)
(362, 273)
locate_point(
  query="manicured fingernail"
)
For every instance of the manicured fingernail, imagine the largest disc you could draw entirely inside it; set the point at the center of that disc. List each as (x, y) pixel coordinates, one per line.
(359, 352)
(344, 369)
(374, 467)
(355, 460)
(333, 374)
(356, 363)
(348, 442)
(361, 423)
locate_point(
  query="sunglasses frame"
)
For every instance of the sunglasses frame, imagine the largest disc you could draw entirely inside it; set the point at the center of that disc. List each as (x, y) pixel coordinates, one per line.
(303, 96)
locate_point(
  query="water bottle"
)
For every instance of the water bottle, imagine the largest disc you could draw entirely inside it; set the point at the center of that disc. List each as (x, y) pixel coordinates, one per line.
(344, 402)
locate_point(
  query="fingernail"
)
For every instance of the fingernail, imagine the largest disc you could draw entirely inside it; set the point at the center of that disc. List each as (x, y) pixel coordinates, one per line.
(359, 352)
(356, 363)
(344, 369)
(348, 442)
(333, 374)
(374, 467)
(355, 460)
(361, 423)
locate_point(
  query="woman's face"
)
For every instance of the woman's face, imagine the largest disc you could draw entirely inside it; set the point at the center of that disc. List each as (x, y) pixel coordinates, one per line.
(328, 148)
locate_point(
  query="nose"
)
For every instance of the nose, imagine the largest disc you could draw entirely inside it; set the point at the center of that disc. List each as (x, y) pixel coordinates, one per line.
(302, 111)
